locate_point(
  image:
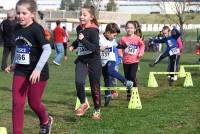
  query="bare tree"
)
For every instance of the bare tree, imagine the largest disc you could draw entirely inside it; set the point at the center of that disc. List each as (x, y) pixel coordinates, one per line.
(179, 7)
(96, 4)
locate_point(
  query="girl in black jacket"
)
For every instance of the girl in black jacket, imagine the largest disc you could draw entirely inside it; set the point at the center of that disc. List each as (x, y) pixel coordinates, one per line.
(88, 61)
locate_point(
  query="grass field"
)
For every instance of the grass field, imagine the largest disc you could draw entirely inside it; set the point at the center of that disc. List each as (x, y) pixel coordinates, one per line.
(166, 110)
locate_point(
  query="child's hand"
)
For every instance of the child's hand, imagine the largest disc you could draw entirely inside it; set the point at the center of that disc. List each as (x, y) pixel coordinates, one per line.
(139, 55)
(9, 68)
(80, 36)
(35, 77)
(71, 48)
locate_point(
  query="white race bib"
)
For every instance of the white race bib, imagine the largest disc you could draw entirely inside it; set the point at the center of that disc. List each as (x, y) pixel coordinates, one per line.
(106, 53)
(132, 49)
(81, 50)
(23, 55)
(174, 51)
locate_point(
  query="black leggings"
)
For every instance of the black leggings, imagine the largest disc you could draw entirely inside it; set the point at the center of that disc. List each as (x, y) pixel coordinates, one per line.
(94, 72)
(130, 71)
(173, 59)
(65, 49)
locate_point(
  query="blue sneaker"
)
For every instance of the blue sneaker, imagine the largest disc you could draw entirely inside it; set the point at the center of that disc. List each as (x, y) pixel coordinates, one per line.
(46, 129)
(129, 84)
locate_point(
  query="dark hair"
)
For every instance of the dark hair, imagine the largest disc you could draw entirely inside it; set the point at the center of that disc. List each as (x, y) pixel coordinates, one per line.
(57, 22)
(32, 4)
(64, 27)
(112, 28)
(137, 26)
(91, 10)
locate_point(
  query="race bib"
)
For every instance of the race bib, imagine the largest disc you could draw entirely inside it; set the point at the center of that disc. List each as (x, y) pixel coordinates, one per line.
(132, 49)
(174, 51)
(23, 55)
(105, 53)
(81, 50)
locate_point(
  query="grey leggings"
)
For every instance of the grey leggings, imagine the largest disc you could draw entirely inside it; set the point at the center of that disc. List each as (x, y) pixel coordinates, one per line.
(94, 72)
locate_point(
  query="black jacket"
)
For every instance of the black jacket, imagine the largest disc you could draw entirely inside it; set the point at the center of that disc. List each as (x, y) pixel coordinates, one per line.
(90, 42)
(8, 30)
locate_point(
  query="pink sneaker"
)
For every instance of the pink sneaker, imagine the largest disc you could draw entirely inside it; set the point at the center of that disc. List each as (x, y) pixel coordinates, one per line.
(96, 115)
(82, 109)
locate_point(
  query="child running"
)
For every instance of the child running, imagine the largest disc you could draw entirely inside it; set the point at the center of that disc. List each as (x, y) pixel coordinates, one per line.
(172, 51)
(134, 50)
(88, 60)
(30, 68)
(108, 59)
(198, 47)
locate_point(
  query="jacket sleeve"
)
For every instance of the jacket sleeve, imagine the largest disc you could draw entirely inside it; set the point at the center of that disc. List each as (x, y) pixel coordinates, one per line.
(75, 43)
(92, 41)
(121, 45)
(180, 43)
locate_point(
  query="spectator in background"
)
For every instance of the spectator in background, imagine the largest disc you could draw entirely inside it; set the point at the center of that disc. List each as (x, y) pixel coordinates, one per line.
(59, 35)
(65, 43)
(7, 28)
(40, 19)
(198, 47)
(160, 36)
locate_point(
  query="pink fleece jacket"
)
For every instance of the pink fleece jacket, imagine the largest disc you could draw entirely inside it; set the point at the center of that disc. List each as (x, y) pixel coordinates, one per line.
(134, 50)
(180, 44)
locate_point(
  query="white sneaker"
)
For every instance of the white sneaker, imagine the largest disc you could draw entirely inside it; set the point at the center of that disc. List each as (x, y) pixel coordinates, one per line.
(56, 63)
(175, 77)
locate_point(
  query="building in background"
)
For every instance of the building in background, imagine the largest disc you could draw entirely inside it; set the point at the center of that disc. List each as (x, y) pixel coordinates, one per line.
(147, 6)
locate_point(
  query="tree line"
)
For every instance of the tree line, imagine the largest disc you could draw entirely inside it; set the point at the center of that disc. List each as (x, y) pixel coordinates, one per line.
(76, 4)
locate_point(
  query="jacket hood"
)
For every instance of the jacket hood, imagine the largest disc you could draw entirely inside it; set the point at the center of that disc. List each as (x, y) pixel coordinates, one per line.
(92, 25)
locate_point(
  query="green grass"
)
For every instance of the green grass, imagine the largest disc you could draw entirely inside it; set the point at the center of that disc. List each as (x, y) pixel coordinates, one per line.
(166, 110)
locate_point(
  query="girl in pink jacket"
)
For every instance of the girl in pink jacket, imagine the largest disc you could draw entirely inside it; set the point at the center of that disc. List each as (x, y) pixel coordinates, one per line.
(134, 50)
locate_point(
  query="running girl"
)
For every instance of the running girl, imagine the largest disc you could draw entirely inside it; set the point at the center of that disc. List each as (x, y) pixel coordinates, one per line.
(88, 60)
(134, 50)
(30, 68)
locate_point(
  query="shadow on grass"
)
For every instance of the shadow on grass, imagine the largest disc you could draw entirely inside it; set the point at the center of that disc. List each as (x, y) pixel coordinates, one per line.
(5, 89)
(70, 104)
(54, 102)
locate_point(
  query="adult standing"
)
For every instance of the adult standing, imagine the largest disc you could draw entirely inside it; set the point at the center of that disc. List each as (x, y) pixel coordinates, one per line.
(8, 36)
(59, 35)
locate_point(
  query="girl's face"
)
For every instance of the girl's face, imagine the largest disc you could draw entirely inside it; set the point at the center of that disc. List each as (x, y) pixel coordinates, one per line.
(165, 32)
(85, 17)
(130, 29)
(24, 16)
